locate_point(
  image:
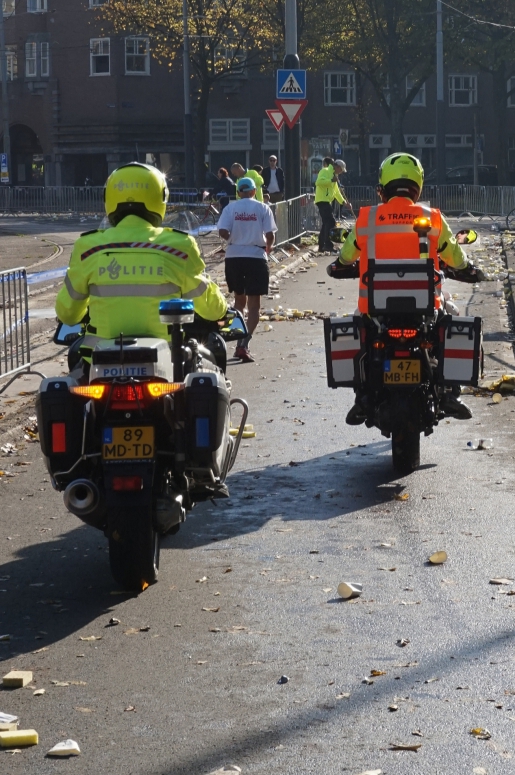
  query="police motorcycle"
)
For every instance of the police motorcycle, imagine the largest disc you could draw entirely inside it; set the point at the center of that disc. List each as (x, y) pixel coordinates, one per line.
(142, 439)
(405, 361)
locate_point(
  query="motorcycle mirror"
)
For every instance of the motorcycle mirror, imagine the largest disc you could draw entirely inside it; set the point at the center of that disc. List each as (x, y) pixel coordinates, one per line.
(67, 335)
(234, 326)
(466, 237)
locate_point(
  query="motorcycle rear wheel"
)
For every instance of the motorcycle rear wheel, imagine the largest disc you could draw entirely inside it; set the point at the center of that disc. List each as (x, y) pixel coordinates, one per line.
(405, 450)
(134, 553)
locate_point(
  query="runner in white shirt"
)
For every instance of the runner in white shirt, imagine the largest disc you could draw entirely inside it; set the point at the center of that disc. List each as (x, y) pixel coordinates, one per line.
(249, 228)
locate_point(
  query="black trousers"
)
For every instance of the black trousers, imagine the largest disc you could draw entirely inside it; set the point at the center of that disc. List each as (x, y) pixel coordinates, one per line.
(326, 214)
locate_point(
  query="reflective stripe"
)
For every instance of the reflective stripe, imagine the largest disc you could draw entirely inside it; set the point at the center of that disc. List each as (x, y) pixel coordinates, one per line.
(109, 291)
(196, 292)
(72, 292)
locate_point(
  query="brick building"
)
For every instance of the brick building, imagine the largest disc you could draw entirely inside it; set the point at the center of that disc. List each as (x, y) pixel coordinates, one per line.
(82, 101)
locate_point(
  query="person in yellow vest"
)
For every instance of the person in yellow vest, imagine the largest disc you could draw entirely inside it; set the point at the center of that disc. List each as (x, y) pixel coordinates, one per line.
(385, 231)
(326, 190)
(122, 273)
(237, 172)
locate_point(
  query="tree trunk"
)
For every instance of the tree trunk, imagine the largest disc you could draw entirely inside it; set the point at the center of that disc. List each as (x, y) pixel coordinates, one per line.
(501, 119)
(361, 120)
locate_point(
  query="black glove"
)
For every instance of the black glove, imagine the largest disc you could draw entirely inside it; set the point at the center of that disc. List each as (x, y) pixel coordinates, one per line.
(343, 271)
(470, 274)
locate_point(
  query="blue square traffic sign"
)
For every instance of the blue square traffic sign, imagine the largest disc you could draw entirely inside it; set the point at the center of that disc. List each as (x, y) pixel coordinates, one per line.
(291, 85)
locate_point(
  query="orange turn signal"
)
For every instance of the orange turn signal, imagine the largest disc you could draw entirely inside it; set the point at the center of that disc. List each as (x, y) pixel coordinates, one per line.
(422, 222)
(378, 345)
(89, 391)
(158, 389)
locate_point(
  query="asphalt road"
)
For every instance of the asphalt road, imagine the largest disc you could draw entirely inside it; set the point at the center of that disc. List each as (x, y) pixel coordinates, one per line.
(312, 504)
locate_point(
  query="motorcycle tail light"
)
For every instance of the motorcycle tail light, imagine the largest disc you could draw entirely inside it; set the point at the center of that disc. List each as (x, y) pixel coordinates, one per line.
(402, 333)
(378, 345)
(89, 391)
(402, 353)
(58, 437)
(127, 396)
(158, 389)
(127, 483)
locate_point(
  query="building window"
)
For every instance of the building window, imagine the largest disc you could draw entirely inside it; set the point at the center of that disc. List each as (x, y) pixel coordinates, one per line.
(339, 89)
(462, 90)
(137, 56)
(31, 62)
(96, 3)
(419, 100)
(36, 6)
(271, 137)
(100, 58)
(509, 86)
(231, 58)
(225, 131)
(9, 7)
(45, 60)
(12, 63)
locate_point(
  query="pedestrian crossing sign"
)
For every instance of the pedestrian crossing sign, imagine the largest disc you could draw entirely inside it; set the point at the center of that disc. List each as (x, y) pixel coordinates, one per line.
(291, 85)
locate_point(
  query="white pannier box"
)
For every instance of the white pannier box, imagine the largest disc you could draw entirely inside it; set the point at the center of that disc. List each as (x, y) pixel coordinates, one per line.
(342, 346)
(461, 350)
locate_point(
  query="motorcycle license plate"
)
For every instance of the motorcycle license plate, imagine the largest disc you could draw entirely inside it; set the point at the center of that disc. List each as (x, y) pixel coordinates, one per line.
(128, 443)
(402, 372)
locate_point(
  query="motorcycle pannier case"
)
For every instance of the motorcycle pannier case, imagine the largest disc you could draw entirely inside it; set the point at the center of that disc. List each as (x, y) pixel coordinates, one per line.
(207, 420)
(460, 353)
(60, 417)
(342, 346)
(400, 287)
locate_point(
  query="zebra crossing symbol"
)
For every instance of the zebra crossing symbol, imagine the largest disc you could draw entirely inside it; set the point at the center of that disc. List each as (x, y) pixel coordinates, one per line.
(291, 84)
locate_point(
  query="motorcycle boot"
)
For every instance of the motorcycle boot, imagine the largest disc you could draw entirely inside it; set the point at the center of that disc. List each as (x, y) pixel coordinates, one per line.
(452, 406)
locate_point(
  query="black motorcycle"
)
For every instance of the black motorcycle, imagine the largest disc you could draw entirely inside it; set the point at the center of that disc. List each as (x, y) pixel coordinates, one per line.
(405, 360)
(142, 434)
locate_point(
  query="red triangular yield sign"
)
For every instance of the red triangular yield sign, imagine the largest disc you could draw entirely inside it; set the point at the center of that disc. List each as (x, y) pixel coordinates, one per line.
(276, 117)
(291, 110)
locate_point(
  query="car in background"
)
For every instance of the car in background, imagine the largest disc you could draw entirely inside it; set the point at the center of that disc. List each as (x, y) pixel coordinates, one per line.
(486, 173)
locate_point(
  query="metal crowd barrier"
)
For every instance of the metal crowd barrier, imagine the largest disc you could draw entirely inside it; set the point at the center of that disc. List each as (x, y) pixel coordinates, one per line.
(14, 326)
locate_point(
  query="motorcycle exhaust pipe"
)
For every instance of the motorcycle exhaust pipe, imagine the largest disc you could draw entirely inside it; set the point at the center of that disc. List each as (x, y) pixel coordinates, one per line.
(81, 497)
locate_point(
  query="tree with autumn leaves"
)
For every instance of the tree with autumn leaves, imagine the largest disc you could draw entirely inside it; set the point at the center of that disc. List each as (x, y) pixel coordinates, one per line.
(383, 41)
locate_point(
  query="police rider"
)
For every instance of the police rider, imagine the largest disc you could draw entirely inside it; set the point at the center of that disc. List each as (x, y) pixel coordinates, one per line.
(123, 272)
(385, 231)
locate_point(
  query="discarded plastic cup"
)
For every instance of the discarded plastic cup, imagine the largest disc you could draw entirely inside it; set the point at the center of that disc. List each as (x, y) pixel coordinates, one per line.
(486, 444)
(497, 398)
(349, 589)
(267, 327)
(473, 444)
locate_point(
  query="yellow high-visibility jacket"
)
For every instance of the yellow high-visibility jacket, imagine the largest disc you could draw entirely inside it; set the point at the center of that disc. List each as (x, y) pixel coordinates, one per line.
(258, 180)
(123, 273)
(325, 189)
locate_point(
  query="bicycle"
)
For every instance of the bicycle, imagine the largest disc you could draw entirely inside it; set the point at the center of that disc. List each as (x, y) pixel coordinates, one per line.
(206, 212)
(510, 220)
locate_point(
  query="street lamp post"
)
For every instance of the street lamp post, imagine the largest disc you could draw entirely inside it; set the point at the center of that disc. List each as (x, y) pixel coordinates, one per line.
(5, 98)
(291, 136)
(188, 120)
(440, 104)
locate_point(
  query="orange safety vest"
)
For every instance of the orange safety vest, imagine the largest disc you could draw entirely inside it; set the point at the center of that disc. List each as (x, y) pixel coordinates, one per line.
(386, 231)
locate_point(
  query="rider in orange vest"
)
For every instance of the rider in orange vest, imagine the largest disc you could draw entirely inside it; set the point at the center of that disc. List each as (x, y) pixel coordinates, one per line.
(385, 231)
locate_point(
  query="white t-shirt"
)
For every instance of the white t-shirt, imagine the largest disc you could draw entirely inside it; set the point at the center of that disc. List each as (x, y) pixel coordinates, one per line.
(247, 222)
(273, 186)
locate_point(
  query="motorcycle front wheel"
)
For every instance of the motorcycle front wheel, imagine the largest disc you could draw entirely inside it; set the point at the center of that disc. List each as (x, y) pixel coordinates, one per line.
(405, 450)
(134, 551)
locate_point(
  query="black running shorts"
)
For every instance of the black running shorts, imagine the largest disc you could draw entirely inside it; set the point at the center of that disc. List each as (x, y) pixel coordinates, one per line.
(247, 276)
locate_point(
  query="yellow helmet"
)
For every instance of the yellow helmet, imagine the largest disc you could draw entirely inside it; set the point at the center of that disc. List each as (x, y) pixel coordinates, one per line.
(401, 168)
(136, 189)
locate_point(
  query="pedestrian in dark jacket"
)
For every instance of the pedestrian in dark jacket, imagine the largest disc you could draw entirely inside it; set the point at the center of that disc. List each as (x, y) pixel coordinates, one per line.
(225, 188)
(274, 180)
